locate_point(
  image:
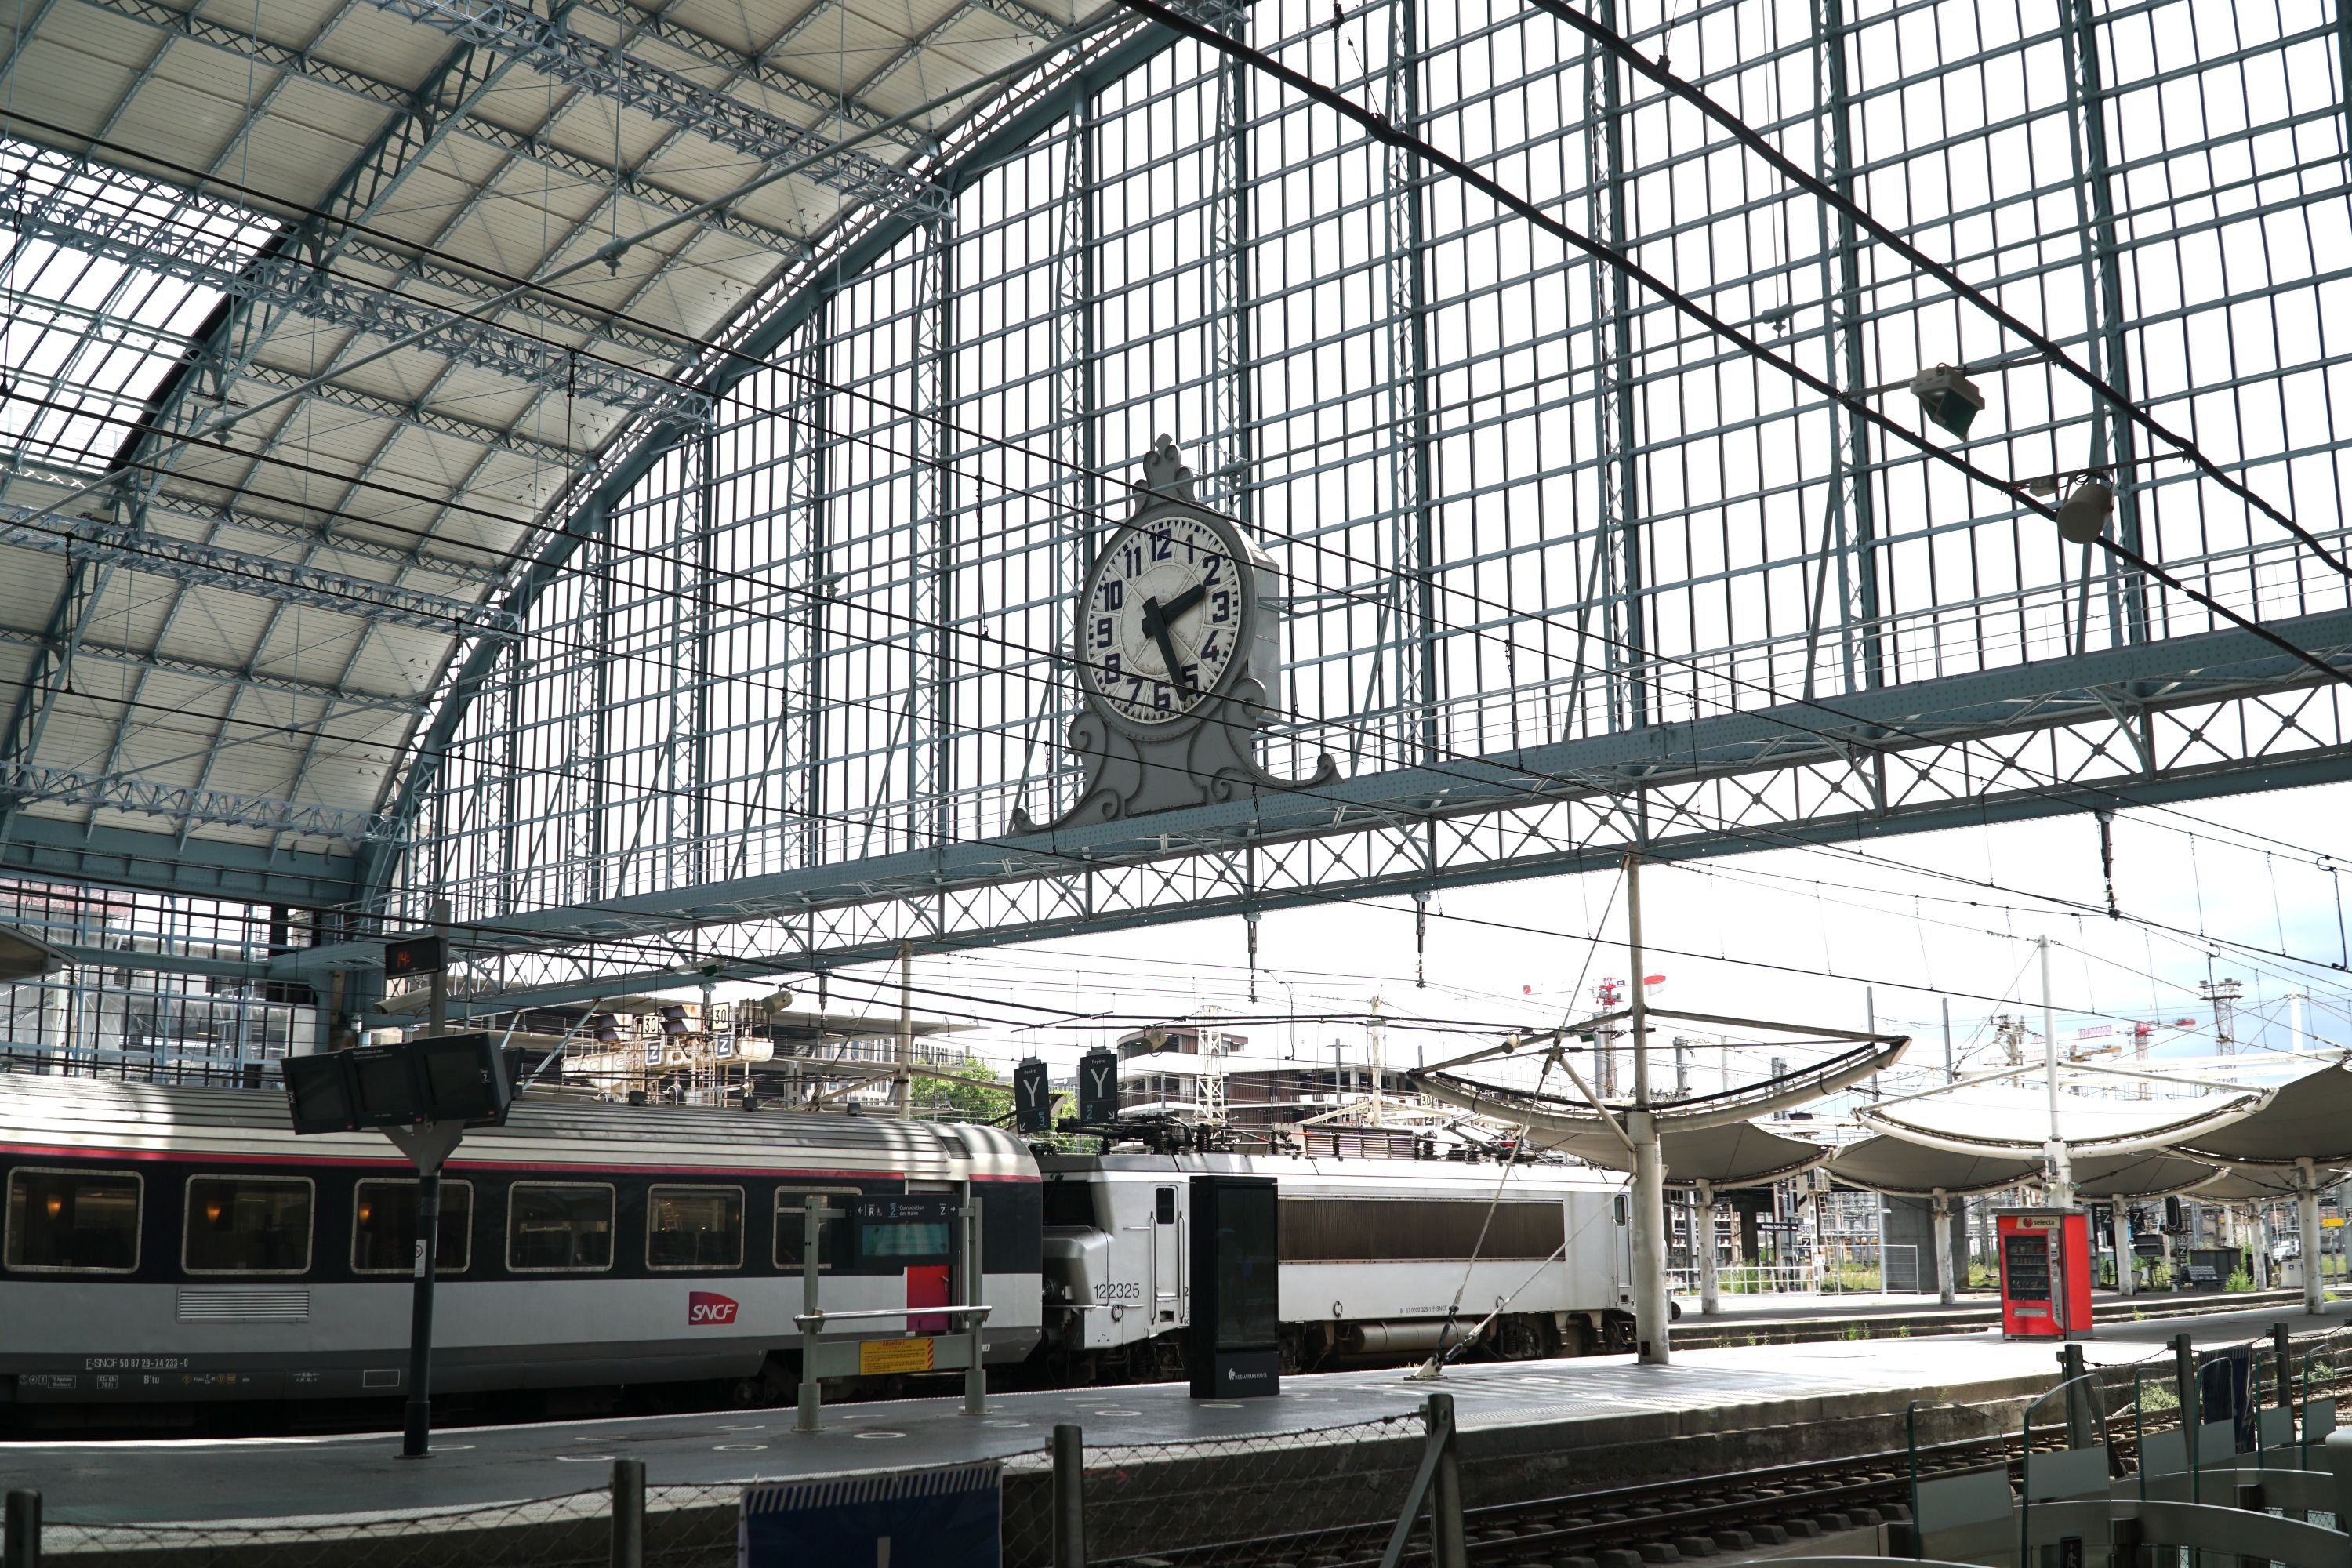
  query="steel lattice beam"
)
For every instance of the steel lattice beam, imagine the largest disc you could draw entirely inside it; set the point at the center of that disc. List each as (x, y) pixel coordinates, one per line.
(294, 285)
(193, 560)
(359, 84)
(2136, 724)
(25, 784)
(557, 51)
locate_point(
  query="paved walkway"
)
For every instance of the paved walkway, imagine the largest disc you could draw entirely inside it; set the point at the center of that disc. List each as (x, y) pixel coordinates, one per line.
(157, 1480)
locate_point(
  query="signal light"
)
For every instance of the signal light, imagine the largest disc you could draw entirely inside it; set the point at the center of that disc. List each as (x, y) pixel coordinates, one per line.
(2085, 515)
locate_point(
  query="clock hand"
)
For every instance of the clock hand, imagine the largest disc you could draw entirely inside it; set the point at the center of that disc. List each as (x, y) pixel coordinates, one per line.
(1180, 603)
(1168, 652)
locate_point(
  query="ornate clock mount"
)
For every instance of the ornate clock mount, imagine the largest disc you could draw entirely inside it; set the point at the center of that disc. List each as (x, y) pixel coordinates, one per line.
(1178, 643)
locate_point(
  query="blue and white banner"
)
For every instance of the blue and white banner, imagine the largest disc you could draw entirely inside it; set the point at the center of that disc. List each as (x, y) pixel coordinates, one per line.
(951, 1517)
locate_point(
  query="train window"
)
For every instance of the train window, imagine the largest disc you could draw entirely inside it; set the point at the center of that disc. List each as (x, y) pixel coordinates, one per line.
(247, 1224)
(383, 1227)
(1335, 1230)
(694, 1228)
(1071, 1202)
(792, 1225)
(73, 1222)
(555, 1227)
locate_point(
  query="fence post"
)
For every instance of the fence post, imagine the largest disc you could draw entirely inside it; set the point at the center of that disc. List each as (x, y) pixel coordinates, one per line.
(1446, 1544)
(20, 1533)
(1069, 1497)
(2281, 1353)
(628, 1513)
(975, 1377)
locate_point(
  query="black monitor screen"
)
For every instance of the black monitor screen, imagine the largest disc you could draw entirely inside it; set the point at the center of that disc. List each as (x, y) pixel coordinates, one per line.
(460, 1071)
(1248, 1309)
(319, 1094)
(387, 1093)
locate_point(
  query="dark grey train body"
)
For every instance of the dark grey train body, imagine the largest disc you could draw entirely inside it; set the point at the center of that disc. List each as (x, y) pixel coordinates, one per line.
(166, 1245)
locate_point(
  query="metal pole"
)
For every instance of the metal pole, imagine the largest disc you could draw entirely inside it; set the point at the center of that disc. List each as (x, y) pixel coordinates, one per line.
(2126, 1252)
(2062, 1170)
(437, 1018)
(2184, 1383)
(811, 1395)
(1445, 1535)
(1944, 1283)
(628, 1513)
(20, 1531)
(901, 1095)
(2078, 1405)
(1069, 1497)
(1710, 1287)
(416, 1429)
(2307, 1248)
(1950, 1073)
(1651, 1311)
(975, 1377)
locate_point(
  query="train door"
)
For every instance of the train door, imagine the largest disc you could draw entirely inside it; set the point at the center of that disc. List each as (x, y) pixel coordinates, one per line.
(1621, 1210)
(1167, 1257)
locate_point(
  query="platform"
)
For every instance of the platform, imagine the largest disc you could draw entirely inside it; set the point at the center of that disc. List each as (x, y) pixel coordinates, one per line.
(1603, 1418)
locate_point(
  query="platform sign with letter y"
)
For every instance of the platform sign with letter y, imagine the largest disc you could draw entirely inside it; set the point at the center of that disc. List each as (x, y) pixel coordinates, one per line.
(950, 1517)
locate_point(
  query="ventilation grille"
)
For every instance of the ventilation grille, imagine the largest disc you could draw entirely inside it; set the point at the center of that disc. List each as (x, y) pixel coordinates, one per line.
(201, 1304)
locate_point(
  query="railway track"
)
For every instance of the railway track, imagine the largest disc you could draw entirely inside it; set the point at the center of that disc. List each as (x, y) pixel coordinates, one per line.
(1672, 1521)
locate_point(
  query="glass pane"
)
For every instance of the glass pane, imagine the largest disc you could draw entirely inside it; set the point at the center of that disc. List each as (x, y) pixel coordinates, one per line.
(247, 1224)
(907, 1238)
(560, 1228)
(60, 1220)
(1248, 1313)
(694, 1228)
(792, 1228)
(383, 1227)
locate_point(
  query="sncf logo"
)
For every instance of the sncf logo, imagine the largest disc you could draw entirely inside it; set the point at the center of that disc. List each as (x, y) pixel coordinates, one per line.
(706, 1308)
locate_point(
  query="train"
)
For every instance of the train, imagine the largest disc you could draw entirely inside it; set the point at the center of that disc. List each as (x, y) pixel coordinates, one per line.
(164, 1248)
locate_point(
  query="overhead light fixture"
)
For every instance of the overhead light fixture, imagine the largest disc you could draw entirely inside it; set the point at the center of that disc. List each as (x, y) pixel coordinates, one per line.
(1950, 398)
(2085, 515)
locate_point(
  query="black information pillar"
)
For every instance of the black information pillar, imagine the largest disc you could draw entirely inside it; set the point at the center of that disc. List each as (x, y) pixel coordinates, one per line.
(1236, 1328)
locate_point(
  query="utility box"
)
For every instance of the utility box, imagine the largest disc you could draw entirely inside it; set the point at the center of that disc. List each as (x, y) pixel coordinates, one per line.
(1235, 1348)
(2046, 1264)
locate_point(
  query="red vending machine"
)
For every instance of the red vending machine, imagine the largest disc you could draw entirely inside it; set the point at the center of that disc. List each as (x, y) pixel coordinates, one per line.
(2046, 1264)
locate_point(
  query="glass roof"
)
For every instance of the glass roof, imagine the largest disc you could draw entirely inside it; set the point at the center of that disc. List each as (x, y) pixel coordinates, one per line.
(88, 336)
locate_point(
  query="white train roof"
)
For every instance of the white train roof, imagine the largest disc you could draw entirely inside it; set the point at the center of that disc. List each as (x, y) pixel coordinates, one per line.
(1426, 1177)
(142, 1120)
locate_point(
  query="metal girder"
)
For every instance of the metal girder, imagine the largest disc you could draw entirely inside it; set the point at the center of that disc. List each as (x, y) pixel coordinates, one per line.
(359, 84)
(26, 782)
(763, 68)
(51, 848)
(414, 413)
(115, 543)
(556, 51)
(294, 285)
(335, 697)
(2032, 740)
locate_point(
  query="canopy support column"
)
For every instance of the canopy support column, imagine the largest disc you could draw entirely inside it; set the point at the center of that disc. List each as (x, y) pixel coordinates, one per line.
(1710, 1298)
(1651, 1309)
(2307, 1220)
(2127, 1251)
(1944, 1288)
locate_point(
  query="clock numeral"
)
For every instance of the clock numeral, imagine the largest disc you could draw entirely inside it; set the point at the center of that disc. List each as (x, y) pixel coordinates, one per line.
(1103, 638)
(1214, 562)
(1162, 699)
(1114, 594)
(1209, 647)
(1134, 688)
(1109, 667)
(1163, 546)
(1221, 606)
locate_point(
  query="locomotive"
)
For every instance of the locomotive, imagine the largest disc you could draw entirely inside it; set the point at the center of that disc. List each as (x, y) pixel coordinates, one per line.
(163, 1247)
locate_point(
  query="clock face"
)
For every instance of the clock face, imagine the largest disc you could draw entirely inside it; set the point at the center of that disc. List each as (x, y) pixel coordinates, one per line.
(1162, 619)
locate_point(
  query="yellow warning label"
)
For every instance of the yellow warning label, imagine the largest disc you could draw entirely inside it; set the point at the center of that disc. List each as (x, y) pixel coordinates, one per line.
(877, 1358)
